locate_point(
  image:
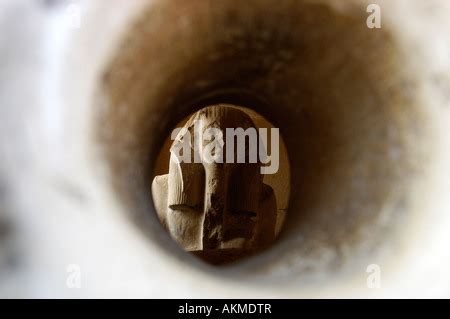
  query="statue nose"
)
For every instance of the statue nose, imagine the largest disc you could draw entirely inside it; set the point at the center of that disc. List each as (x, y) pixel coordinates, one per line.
(215, 205)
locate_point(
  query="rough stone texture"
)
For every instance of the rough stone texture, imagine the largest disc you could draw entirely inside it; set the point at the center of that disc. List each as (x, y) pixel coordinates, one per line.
(209, 208)
(365, 115)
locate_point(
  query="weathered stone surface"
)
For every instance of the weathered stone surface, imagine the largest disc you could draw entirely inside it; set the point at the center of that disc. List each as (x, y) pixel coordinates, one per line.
(210, 208)
(365, 115)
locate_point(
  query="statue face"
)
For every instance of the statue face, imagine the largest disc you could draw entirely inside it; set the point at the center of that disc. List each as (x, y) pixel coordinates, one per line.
(221, 199)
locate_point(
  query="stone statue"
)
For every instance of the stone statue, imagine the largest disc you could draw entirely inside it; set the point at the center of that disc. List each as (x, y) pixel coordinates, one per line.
(218, 211)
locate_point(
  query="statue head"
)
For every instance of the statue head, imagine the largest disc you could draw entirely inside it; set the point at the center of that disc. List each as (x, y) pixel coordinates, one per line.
(214, 184)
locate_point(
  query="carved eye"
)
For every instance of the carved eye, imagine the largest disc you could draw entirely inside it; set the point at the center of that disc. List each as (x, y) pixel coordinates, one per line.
(185, 208)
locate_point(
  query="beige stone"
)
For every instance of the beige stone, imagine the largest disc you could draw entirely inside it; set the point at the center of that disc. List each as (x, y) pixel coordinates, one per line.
(365, 114)
(218, 211)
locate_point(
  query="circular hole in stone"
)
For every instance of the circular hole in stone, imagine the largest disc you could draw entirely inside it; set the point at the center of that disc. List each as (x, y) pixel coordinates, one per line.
(343, 97)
